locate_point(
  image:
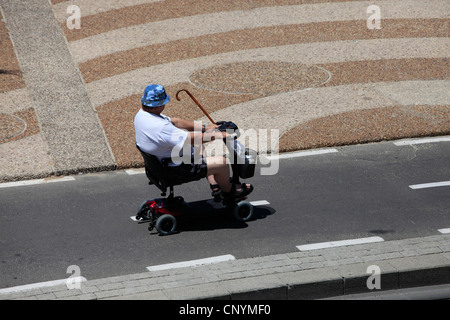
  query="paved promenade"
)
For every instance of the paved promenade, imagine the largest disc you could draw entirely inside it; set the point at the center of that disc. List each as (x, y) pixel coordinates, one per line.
(311, 69)
(315, 70)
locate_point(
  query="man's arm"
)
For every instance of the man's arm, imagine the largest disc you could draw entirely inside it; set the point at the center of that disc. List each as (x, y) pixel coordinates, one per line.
(195, 132)
(190, 125)
(184, 124)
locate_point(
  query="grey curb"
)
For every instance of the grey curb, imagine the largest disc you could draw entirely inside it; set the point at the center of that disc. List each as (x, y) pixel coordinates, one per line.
(298, 275)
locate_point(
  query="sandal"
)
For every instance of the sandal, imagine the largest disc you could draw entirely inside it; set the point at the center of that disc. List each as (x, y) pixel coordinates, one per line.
(238, 191)
(245, 190)
(215, 192)
(215, 189)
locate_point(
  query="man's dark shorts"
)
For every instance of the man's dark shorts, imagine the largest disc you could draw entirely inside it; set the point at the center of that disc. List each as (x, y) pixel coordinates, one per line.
(187, 172)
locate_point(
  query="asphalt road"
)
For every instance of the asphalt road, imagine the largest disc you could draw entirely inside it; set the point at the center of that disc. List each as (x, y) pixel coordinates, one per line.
(358, 191)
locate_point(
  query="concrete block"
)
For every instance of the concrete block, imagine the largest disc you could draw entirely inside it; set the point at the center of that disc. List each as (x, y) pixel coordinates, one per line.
(200, 291)
(260, 287)
(262, 294)
(312, 284)
(425, 277)
(356, 276)
(422, 270)
(149, 295)
(420, 262)
(46, 296)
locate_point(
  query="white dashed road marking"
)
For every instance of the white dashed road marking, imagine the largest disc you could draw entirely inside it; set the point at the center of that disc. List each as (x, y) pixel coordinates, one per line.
(301, 154)
(192, 263)
(331, 244)
(421, 141)
(430, 185)
(34, 182)
(39, 285)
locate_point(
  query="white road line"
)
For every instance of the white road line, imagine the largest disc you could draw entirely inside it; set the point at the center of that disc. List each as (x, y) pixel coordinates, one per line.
(135, 171)
(301, 154)
(34, 182)
(409, 142)
(39, 285)
(259, 203)
(331, 244)
(444, 231)
(192, 263)
(430, 185)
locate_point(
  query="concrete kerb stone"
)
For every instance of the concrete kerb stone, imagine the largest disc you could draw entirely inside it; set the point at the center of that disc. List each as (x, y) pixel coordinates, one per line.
(260, 287)
(311, 284)
(323, 273)
(355, 277)
(423, 270)
(150, 295)
(198, 292)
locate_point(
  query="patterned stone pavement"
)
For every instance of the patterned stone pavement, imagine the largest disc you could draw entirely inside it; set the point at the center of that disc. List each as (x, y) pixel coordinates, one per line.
(311, 69)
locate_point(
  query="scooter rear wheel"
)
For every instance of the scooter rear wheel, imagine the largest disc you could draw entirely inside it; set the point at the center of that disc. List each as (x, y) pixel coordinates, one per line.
(141, 214)
(166, 224)
(243, 211)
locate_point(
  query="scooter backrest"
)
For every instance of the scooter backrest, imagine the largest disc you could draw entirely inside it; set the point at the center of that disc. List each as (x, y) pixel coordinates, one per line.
(154, 170)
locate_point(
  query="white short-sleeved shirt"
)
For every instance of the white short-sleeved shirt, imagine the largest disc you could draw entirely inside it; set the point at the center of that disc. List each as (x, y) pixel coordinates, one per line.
(157, 135)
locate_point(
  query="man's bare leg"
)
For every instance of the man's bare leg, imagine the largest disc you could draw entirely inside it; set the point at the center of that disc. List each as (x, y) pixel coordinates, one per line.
(219, 172)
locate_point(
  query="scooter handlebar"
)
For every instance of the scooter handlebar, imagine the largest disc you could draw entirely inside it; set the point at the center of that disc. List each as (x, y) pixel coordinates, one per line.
(229, 127)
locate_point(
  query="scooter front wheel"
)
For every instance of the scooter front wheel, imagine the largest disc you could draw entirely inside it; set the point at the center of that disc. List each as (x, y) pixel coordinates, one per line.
(166, 224)
(243, 211)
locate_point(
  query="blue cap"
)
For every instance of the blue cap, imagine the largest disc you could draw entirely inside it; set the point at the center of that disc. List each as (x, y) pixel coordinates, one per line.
(155, 96)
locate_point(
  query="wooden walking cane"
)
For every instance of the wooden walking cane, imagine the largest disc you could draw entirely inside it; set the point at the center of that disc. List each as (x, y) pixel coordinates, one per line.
(196, 102)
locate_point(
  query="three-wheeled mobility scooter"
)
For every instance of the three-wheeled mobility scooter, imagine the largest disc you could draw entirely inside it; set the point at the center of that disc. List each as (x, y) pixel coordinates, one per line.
(163, 213)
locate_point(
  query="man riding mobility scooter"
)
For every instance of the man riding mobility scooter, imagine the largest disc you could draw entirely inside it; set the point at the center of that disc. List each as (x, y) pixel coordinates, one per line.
(163, 213)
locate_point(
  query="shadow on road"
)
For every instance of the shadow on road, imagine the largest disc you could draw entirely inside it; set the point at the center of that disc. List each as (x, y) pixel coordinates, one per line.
(217, 219)
(222, 221)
